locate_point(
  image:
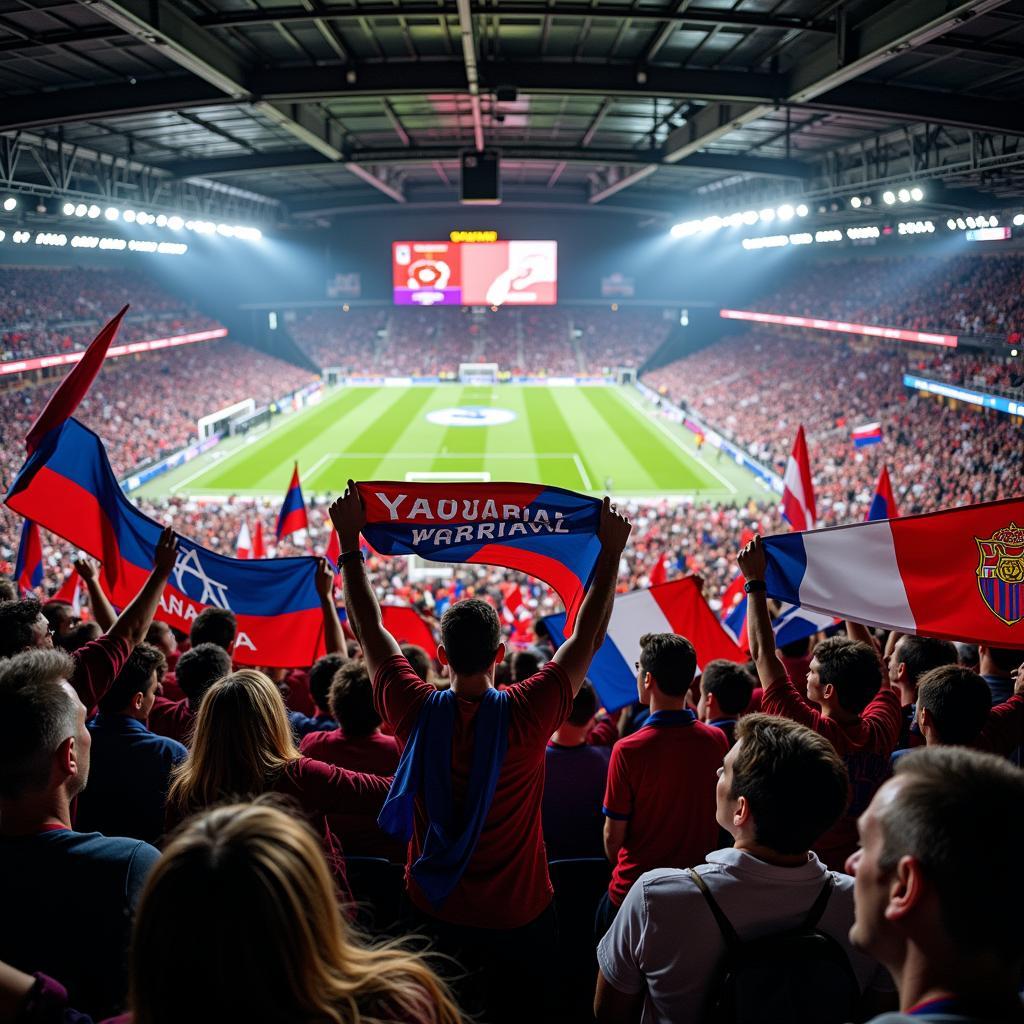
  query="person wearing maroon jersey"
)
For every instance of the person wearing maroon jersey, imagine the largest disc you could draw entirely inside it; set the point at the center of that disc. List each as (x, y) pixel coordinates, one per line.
(481, 888)
(846, 702)
(358, 745)
(659, 804)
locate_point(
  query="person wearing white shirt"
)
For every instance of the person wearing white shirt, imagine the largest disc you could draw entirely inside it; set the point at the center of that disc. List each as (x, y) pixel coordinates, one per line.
(780, 787)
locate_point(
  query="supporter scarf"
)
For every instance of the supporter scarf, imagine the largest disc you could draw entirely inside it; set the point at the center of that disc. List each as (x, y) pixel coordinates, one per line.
(426, 766)
(548, 532)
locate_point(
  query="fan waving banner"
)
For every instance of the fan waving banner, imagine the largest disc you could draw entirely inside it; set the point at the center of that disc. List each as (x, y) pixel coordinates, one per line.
(68, 487)
(676, 607)
(957, 574)
(547, 532)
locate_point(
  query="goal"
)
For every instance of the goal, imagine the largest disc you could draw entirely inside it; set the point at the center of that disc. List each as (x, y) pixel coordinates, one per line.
(478, 373)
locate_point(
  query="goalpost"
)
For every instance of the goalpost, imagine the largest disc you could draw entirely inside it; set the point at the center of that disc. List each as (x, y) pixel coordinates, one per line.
(478, 373)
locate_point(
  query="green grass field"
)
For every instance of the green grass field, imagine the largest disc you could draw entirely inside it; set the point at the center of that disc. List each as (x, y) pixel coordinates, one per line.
(586, 439)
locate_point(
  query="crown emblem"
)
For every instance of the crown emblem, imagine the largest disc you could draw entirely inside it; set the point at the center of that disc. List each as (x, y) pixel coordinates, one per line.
(1001, 573)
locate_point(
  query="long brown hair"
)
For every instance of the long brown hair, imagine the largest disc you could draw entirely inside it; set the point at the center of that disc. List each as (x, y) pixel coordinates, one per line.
(238, 921)
(241, 744)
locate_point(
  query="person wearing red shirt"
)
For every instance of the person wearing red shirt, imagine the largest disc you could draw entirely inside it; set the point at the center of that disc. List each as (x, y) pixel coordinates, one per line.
(198, 669)
(846, 702)
(496, 919)
(659, 804)
(358, 745)
(97, 662)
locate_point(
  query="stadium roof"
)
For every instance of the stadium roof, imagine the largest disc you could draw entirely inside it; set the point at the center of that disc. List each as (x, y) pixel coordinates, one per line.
(659, 106)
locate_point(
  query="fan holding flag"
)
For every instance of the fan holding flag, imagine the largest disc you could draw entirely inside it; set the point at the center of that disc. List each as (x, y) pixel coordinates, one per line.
(489, 874)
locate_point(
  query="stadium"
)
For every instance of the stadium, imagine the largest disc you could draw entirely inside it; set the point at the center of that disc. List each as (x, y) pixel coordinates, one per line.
(686, 334)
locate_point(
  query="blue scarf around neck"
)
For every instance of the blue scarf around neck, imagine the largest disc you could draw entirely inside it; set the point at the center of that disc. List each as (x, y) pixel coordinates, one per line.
(425, 767)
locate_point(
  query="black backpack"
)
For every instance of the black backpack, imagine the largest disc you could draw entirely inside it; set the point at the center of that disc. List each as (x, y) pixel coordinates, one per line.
(788, 977)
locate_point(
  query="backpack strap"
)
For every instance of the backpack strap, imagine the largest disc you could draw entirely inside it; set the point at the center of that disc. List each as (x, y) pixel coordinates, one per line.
(811, 921)
(732, 940)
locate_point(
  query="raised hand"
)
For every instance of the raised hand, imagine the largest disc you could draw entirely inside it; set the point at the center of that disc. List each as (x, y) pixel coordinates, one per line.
(166, 552)
(752, 560)
(85, 568)
(613, 528)
(349, 517)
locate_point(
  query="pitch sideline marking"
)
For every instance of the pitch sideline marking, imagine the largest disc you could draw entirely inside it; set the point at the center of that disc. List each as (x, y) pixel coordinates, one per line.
(677, 441)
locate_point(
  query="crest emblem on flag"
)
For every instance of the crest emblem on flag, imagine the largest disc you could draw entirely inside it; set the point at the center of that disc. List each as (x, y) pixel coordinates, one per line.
(1001, 573)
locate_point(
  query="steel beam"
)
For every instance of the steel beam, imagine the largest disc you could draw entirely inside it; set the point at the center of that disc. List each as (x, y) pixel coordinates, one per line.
(297, 158)
(446, 8)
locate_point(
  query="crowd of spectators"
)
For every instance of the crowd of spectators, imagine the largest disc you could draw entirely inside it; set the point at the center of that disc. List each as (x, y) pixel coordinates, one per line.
(791, 834)
(1003, 374)
(800, 859)
(757, 388)
(46, 311)
(952, 295)
(410, 341)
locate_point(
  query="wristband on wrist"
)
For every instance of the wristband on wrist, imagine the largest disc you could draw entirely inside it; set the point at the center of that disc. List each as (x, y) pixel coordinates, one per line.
(754, 586)
(350, 556)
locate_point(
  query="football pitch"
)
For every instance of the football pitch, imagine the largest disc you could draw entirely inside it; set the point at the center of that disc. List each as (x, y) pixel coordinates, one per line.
(589, 439)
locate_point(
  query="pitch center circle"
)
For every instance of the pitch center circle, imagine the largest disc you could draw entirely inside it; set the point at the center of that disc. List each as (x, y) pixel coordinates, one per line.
(470, 416)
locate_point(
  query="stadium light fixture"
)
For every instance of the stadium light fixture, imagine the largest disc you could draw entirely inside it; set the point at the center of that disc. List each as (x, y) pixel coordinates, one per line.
(917, 193)
(111, 213)
(175, 223)
(801, 238)
(829, 235)
(766, 215)
(951, 224)
(10, 203)
(971, 222)
(749, 217)
(81, 210)
(129, 216)
(869, 231)
(903, 195)
(765, 242)
(801, 210)
(1014, 353)
(93, 211)
(3, 235)
(69, 209)
(1018, 220)
(855, 202)
(161, 220)
(889, 197)
(785, 212)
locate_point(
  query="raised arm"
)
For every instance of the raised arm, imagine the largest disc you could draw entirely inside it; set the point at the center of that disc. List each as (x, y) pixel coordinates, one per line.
(575, 655)
(102, 610)
(753, 564)
(349, 517)
(133, 623)
(334, 637)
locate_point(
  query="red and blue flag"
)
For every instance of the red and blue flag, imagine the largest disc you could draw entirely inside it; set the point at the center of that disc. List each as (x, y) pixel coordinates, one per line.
(68, 487)
(293, 511)
(883, 504)
(676, 607)
(28, 568)
(869, 433)
(956, 574)
(547, 532)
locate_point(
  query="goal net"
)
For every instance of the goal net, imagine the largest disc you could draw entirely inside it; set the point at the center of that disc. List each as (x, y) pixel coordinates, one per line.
(478, 373)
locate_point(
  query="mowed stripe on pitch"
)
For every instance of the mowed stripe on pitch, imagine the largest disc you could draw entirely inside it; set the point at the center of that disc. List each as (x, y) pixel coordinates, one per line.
(549, 432)
(273, 456)
(667, 466)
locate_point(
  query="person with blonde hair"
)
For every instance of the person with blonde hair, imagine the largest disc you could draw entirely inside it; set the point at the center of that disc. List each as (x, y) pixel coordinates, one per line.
(241, 903)
(243, 746)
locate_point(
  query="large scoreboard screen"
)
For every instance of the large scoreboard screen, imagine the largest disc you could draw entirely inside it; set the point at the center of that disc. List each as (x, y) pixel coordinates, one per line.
(475, 273)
